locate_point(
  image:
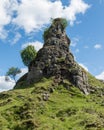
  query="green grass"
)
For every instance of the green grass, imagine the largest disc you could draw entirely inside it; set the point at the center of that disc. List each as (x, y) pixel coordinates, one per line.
(94, 82)
(25, 109)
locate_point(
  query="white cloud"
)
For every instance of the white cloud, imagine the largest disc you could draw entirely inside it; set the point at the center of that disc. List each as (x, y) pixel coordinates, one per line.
(82, 65)
(75, 7)
(6, 10)
(100, 76)
(4, 17)
(16, 38)
(23, 71)
(3, 33)
(32, 15)
(4, 85)
(74, 41)
(78, 22)
(38, 45)
(97, 46)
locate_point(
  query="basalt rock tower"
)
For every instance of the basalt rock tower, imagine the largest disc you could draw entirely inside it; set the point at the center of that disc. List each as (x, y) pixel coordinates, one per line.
(55, 59)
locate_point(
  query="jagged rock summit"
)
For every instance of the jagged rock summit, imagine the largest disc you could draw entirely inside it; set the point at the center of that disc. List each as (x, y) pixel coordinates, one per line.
(55, 59)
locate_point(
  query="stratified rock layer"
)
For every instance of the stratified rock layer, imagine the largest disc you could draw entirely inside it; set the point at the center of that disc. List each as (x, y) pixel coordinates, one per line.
(55, 59)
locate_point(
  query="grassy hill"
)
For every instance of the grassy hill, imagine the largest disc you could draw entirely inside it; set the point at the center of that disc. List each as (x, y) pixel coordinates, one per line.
(45, 106)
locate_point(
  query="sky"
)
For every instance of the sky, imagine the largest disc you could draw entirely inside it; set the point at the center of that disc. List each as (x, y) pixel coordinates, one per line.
(22, 23)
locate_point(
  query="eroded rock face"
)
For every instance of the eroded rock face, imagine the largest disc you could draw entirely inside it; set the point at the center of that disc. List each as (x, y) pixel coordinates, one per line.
(56, 59)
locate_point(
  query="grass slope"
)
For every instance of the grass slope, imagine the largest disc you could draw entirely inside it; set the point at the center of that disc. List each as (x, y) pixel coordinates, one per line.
(65, 109)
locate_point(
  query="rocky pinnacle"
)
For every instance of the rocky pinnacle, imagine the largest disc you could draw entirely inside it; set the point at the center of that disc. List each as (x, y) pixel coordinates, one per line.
(55, 59)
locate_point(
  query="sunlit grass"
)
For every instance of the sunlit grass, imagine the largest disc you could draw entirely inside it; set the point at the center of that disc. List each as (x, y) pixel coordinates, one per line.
(25, 109)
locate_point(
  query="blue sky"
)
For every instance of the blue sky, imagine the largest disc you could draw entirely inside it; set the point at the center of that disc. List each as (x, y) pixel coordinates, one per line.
(22, 22)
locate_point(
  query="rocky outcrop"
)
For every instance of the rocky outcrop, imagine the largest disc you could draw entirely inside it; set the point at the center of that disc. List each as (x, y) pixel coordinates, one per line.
(55, 59)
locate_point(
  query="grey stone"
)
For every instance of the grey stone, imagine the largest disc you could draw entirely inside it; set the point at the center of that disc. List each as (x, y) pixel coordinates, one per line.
(55, 58)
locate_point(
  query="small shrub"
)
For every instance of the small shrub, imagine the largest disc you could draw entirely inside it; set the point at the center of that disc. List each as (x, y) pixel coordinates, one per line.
(46, 32)
(64, 23)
